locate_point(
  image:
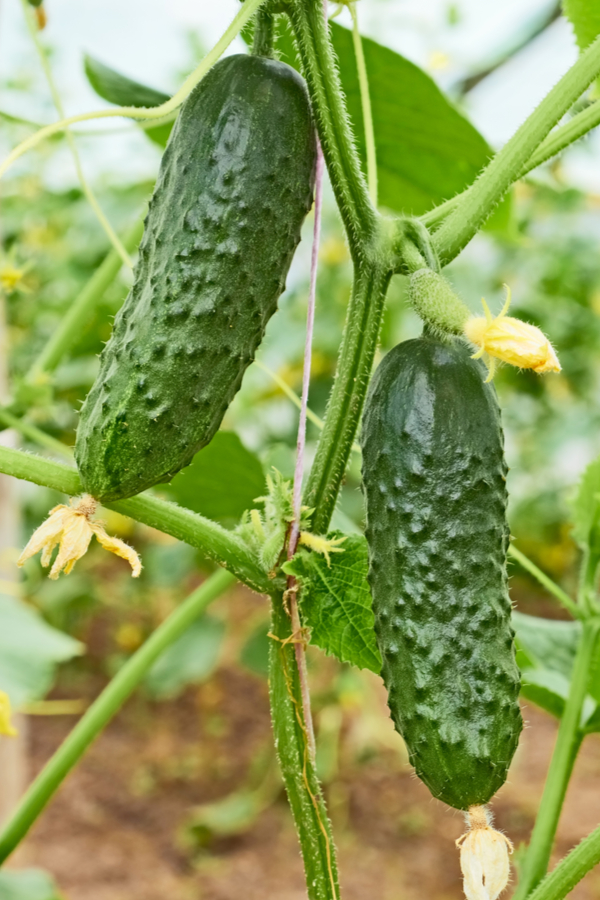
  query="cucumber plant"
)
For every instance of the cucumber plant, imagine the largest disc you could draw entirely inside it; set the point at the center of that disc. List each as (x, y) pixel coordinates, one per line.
(240, 162)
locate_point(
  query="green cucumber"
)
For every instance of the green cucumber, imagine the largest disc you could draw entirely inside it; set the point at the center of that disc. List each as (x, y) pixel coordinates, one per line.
(235, 184)
(435, 482)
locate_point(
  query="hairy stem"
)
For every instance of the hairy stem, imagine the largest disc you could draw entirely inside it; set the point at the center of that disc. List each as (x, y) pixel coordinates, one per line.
(477, 203)
(81, 310)
(219, 544)
(319, 65)
(566, 748)
(365, 100)
(355, 363)
(557, 141)
(570, 870)
(104, 708)
(297, 767)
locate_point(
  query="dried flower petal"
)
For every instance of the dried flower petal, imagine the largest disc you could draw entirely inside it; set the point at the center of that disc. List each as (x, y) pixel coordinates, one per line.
(71, 529)
(511, 341)
(484, 857)
(6, 726)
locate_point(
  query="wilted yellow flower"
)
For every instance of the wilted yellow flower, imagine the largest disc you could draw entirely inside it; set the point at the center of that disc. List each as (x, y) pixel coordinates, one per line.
(510, 340)
(70, 528)
(484, 856)
(6, 726)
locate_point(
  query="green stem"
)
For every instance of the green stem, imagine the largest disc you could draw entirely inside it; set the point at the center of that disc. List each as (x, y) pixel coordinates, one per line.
(264, 34)
(221, 545)
(570, 870)
(300, 779)
(91, 197)
(104, 708)
(34, 434)
(545, 581)
(319, 65)
(365, 99)
(565, 752)
(81, 310)
(355, 363)
(555, 143)
(477, 203)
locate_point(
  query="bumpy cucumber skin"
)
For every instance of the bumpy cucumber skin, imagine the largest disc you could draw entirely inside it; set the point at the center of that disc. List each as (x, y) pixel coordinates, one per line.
(435, 481)
(235, 184)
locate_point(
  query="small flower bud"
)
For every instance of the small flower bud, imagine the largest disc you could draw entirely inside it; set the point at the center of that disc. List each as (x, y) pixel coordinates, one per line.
(484, 856)
(511, 341)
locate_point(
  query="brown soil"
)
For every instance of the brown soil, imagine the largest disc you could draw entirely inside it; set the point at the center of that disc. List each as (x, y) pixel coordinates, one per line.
(115, 831)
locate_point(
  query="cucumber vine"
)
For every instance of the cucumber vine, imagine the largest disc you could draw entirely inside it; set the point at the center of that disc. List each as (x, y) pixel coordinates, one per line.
(380, 246)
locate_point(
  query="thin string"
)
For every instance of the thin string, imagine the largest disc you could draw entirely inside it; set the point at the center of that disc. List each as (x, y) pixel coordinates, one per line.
(310, 321)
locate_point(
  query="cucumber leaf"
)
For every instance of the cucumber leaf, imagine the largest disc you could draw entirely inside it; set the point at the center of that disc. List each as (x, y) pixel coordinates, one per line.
(427, 151)
(190, 660)
(30, 651)
(335, 602)
(123, 91)
(584, 16)
(28, 884)
(586, 512)
(222, 482)
(545, 653)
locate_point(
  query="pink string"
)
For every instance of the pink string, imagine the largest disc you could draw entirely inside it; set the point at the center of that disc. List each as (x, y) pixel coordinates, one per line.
(310, 321)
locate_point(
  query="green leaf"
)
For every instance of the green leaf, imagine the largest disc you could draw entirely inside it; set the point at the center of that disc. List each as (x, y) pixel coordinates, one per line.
(190, 660)
(222, 482)
(30, 651)
(123, 91)
(335, 601)
(427, 151)
(28, 884)
(547, 689)
(548, 643)
(545, 653)
(586, 510)
(584, 16)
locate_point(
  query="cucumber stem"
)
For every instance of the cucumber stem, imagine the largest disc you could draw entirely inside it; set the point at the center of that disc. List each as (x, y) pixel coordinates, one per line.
(477, 203)
(570, 870)
(361, 334)
(264, 34)
(565, 753)
(297, 767)
(319, 66)
(105, 707)
(557, 141)
(219, 544)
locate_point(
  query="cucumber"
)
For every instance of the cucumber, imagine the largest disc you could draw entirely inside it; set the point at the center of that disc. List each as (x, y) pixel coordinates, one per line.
(235, 184)
(435, 482)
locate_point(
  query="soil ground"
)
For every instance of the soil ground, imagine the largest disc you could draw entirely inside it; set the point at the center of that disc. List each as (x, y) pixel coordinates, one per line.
(116, 829)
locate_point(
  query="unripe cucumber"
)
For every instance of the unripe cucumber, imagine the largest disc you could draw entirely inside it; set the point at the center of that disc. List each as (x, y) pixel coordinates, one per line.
(234, 186)
(435, 481)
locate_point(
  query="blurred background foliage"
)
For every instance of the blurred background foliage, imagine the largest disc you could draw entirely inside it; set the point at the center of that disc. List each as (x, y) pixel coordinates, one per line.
(545, 246)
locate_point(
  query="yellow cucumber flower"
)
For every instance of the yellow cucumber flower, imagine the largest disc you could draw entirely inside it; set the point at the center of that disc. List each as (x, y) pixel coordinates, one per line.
(484, 856)
(511, 341)
(6, 725)
(70, 528)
